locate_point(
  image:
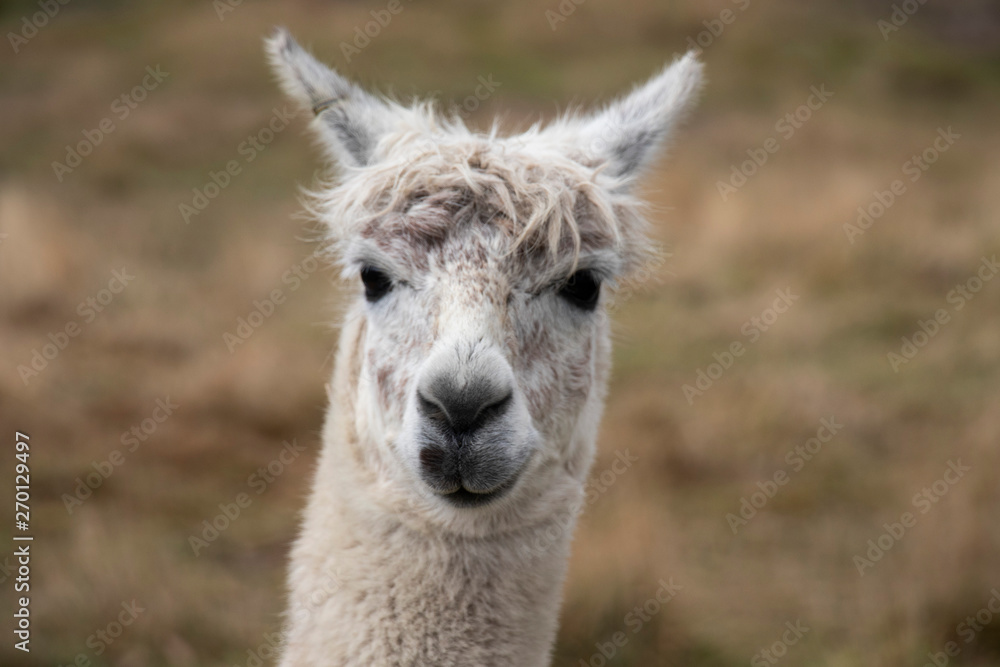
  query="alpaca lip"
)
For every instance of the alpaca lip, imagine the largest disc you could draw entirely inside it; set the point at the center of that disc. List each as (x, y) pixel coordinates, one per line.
(456, 480)
(465, 498)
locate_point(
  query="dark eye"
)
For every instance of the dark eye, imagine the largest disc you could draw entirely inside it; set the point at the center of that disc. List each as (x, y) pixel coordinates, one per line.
(377, 283)
(582, 290)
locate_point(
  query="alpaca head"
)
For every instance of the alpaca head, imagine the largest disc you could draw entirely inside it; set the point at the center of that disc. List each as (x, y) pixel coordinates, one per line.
(482, 266)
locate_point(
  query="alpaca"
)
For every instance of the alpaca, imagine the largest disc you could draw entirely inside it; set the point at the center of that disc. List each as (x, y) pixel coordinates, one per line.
(471, 370)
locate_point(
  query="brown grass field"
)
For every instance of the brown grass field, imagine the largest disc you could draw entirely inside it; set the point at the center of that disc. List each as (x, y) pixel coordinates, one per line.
(795, 559)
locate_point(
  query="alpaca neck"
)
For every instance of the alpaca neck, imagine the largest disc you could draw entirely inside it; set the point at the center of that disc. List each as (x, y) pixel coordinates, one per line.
(372, 586)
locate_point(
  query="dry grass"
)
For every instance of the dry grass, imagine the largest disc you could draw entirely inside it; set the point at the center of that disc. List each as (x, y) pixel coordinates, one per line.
(666, 516)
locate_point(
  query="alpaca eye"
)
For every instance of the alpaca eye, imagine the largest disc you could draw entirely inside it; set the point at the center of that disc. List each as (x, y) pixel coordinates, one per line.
(582, 290)
(377, 283)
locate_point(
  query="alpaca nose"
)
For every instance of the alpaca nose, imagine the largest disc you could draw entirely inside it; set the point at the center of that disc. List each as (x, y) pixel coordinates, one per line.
(463, 407)
(473, 434)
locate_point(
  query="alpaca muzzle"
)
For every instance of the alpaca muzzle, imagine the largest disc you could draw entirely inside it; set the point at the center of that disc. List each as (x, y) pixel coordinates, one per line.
(469, 452)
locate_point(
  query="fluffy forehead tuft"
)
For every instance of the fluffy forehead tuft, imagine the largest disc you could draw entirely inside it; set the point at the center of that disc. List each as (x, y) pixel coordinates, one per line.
(434, 174)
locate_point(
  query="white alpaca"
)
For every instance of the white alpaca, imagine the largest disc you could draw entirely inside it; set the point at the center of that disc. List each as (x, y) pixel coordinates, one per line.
(471, 372)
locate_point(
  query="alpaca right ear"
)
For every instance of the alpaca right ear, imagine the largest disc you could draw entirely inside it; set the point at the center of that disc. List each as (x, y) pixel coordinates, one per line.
(628, 133)
(349, 120)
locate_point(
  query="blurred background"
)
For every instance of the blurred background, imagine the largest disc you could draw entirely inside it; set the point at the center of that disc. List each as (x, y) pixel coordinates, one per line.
(831, 206)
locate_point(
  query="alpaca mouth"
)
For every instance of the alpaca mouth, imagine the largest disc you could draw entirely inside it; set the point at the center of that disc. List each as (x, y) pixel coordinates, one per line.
(467, 479)
(463, 497)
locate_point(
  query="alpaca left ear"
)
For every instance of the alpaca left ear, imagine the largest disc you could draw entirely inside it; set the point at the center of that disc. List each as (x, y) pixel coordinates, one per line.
(629, 132)
(349, 120)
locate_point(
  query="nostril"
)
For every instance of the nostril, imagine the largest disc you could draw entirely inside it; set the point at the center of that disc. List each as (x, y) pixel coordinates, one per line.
(440, 469)
(432, 457)
(432, 409)
(472, 412)
(494, 410)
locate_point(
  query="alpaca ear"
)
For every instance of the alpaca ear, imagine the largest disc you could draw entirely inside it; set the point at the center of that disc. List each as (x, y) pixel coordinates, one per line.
(627, 134)
(349, 120)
